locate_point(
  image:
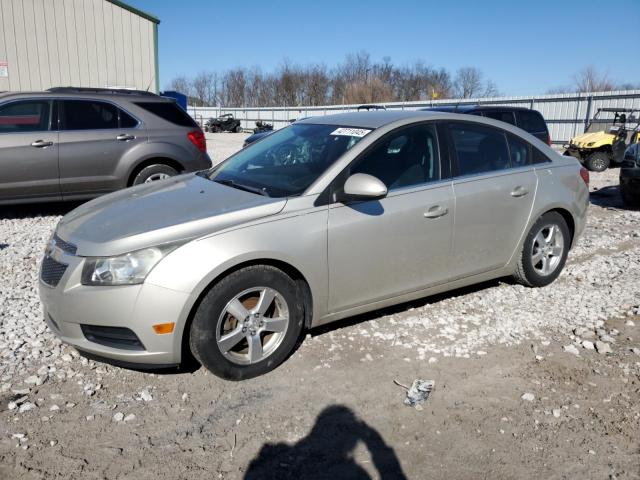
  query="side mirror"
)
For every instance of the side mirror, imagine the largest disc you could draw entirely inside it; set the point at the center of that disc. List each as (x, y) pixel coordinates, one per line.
(361, 186)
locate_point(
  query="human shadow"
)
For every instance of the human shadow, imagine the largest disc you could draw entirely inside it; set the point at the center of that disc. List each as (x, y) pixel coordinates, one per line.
(327, 452)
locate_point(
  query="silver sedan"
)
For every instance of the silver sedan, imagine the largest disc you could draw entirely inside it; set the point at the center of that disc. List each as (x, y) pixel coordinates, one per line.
(330, 217)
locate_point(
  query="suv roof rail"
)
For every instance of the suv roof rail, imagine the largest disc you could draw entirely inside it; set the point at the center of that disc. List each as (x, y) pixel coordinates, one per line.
(112, 91)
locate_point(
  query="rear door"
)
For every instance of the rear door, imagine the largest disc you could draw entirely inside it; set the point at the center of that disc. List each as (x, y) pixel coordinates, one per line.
(494, 188)
(28, 150)
(94, 137)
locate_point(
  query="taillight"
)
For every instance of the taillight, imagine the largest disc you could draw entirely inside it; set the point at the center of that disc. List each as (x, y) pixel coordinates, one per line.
(584, 173)
(197, 138)
(549, 140)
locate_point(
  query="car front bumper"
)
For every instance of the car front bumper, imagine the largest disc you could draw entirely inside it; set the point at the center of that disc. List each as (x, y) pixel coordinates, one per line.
(70, 305)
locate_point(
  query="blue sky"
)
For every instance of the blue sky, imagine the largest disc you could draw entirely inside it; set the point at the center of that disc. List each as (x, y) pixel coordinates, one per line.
(525, 47)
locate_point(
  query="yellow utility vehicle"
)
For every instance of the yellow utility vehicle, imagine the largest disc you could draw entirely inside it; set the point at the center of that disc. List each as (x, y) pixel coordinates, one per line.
(605, 139)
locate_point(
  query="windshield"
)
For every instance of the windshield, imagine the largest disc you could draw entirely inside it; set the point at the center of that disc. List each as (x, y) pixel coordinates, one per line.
(286, 162)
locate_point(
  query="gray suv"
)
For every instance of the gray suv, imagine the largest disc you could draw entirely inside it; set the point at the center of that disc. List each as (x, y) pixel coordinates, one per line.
(78, 143)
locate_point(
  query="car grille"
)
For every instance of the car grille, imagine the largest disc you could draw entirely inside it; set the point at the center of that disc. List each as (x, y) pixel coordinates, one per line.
(70, 248)
(52, 271)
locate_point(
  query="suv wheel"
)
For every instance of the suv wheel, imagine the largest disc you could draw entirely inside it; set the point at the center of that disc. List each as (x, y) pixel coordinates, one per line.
(248, 323)
(544, 251)
(153, 173)
(598, 161)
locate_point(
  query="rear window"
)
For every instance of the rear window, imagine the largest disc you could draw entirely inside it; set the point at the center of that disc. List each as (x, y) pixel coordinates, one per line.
(89, 115)
(479, 149)
(170, 112)
(506, 117)
(531, 121)
(538, 156)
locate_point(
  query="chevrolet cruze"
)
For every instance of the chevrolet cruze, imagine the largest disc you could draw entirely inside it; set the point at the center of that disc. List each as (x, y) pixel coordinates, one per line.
(324, 219)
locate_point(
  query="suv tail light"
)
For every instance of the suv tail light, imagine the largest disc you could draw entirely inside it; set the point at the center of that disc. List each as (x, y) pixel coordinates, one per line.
(549, 140)
(584, 173)
(197, 138)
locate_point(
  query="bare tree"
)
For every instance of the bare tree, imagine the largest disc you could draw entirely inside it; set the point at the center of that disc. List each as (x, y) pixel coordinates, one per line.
(357, 79)
(468, 82)
(590, 80)
(180, 84)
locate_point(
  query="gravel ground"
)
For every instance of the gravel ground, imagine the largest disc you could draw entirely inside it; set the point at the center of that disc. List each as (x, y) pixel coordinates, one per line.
(529, 383)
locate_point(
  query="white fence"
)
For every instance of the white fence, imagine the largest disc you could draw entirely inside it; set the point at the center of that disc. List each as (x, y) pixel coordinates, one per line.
(566, 114)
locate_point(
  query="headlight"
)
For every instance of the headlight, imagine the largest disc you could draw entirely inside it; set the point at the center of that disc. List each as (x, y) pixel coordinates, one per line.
(128, 269)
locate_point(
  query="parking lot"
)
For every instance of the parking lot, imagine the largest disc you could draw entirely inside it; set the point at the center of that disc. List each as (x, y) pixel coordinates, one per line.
(537, 383)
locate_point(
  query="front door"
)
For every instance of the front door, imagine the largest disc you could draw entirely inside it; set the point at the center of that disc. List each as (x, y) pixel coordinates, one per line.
(28, 151)
(494, 188)
(401, 243)
(94, 137)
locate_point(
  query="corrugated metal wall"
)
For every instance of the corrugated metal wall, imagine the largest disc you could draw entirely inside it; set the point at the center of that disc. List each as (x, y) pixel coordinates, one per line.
(566, 114)
(82, 43)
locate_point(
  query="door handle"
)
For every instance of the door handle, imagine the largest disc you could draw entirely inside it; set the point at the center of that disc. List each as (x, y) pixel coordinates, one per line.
(519, 192)
(41, 144)
(123, 137)
(436, 212)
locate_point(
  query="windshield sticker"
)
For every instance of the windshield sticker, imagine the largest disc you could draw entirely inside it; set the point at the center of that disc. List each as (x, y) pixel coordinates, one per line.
(351, 132)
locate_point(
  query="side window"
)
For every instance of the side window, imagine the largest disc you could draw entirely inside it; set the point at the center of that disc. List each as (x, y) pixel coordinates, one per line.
(25, 116)
(170, 112)
(89, 115)
(506, 117)
(126, 120)
(479, 149)
(531, 121)
(538, 156)
(519, 150)
(403, 158)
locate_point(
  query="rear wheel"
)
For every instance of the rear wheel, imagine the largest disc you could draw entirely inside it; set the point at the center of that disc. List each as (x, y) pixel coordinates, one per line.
(597, 161)
(544, 251)
(153, 173)
(248, 323)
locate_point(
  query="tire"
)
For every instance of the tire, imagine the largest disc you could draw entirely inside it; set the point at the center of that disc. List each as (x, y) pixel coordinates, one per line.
(530, 272)
(238, 129)
(597, 161)
(153, 173)
(213, 323)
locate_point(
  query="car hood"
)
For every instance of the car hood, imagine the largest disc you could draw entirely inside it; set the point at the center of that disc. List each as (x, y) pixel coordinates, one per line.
(598, 139)
(187, 206)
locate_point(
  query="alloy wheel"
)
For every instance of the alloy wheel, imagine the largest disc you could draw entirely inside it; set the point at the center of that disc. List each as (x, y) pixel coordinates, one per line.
(252, 325)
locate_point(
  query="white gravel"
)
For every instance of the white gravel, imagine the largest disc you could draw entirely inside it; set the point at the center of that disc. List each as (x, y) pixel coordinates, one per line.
(600, 282)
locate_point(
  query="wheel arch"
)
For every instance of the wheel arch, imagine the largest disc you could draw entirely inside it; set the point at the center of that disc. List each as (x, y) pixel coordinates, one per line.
(290, 270)
(157, 160)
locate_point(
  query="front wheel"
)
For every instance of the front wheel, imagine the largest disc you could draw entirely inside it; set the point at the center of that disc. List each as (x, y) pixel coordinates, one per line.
(238, 129)
(597, 161)
(544, 251)
(248, 323)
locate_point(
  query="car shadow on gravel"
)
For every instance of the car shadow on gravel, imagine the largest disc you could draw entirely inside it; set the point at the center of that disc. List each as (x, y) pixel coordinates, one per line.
(37, 210)
(328, 451)
(402, 307)
(608, 197)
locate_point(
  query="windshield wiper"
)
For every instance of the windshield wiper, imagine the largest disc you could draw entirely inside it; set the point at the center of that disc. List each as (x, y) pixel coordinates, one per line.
(239, 186)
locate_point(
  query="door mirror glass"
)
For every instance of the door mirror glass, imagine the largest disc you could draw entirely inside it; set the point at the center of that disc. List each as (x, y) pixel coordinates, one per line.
(361, 186)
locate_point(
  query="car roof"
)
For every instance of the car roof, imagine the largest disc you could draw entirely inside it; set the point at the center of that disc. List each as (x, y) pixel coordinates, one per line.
(476, 108)
(85, 95)
(369, 119)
